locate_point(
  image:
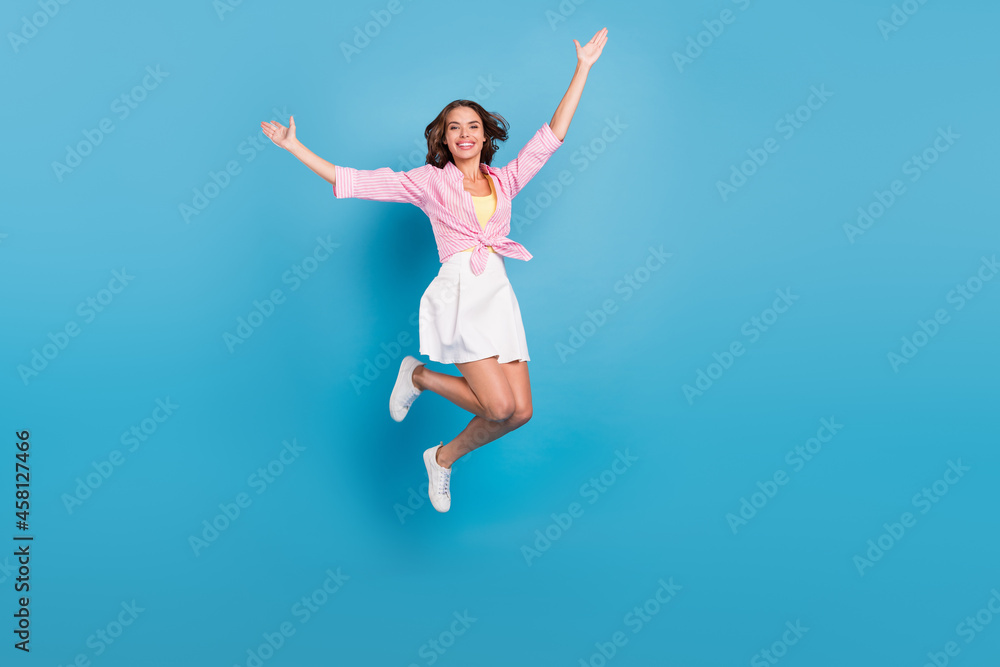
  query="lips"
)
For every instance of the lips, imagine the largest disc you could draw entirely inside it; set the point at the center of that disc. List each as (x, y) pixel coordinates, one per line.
(466, 146)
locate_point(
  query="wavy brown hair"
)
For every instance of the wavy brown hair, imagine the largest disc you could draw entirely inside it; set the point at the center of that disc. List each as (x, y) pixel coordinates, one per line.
(494, 129)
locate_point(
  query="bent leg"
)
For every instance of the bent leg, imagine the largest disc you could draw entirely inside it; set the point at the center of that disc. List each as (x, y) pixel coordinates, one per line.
(516, 373)
(505, 392)
(455, 389)
(488, 382)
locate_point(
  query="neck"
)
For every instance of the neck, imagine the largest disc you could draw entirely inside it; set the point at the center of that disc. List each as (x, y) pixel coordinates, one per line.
(470, 168)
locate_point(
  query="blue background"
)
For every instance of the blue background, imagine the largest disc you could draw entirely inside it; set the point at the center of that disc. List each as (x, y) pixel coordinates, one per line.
(340, 504)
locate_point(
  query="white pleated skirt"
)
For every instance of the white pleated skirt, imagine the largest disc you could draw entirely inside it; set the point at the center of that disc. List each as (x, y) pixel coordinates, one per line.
(465, 317)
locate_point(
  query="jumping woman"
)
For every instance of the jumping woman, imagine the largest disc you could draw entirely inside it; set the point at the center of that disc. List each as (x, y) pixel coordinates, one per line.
(468, 314)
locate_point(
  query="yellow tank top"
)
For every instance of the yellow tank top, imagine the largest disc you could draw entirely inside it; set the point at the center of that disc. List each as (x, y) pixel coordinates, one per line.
(485, 207)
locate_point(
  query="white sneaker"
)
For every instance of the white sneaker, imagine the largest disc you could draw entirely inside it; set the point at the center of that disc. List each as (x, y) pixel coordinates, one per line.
(404, 393)
(438, 479)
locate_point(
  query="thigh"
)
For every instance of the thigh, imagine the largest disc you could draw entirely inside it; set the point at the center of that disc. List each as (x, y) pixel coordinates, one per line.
(489, 383)
(516, 373)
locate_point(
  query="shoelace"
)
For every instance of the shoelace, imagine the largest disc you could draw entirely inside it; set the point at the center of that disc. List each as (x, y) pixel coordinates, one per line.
(445, 478)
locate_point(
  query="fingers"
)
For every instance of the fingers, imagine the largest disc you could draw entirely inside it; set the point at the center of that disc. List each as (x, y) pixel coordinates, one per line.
(274, 125)
(594, 46)
(271, 129)
(600, 39)
(600, 36)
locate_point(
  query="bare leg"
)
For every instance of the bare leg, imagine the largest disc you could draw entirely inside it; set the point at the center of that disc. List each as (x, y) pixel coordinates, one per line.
(505, 392)
(455, 389)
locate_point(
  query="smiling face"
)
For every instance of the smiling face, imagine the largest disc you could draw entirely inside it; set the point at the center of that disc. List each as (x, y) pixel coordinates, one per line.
(463, 133)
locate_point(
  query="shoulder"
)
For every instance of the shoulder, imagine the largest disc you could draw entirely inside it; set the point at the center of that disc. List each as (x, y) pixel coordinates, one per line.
(425, 175)
(423, 170)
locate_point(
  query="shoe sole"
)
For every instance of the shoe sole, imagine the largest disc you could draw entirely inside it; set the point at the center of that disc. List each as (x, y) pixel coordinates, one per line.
(399, 386)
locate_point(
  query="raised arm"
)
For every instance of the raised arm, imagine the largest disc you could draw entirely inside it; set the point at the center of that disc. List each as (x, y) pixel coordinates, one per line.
(375, 184)
(285, 138)
(586, 56)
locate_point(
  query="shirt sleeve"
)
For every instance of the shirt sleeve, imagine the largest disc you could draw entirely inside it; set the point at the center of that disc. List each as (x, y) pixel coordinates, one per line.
(535, 153)
(383, 184)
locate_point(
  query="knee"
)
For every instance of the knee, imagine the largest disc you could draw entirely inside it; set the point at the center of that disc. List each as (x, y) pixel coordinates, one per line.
(501, 410)
(520, 416)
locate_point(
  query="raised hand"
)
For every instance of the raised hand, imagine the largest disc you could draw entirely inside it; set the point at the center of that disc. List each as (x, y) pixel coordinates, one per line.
(591, 51)
(279, 134)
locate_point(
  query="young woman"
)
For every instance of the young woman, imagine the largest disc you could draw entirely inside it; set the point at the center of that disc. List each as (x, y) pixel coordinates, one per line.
(468, 315)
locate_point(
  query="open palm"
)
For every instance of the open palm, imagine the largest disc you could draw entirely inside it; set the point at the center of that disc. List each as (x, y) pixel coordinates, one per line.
(591, 51)
(278, 133)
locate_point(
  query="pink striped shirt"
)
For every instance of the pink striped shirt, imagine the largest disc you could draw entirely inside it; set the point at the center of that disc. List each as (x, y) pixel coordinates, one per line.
(439, 193)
